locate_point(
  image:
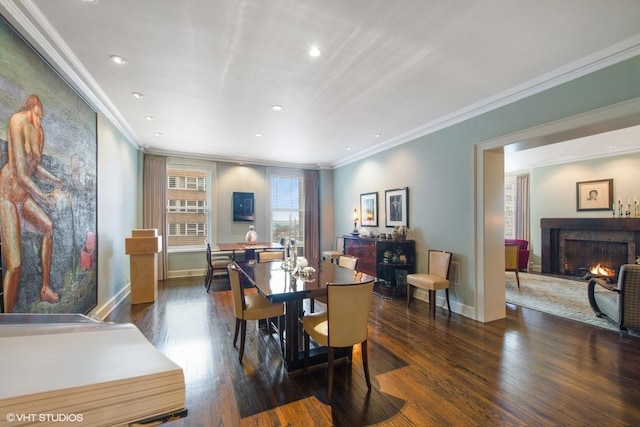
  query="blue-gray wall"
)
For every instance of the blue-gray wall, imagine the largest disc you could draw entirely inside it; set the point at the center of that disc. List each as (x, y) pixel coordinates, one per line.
(440, 169)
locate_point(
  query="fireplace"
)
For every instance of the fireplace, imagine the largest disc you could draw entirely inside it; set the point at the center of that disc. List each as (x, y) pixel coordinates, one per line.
(581, 256)
(570, 246)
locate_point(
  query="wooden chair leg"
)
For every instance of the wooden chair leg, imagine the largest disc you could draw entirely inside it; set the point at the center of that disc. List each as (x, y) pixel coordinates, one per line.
(448, 304)
(365, 363)
(408, 295)
(330, 368)
(243, 335)
(432, 303)
(235, 335)
(518, 279)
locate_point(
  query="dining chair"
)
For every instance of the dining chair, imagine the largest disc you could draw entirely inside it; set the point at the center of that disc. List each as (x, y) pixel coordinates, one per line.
(270, 255)
(334, 254)
(345, 261)
(437, 278)
(217, 263)
(512, 259)
(348, 261)
(252, 307)
(343, 324)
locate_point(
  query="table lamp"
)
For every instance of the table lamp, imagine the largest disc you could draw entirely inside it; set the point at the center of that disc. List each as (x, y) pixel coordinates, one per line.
(355, 223)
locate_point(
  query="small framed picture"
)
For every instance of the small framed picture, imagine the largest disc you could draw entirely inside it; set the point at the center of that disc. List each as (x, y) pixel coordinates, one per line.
(594, 195)
(397, 207)
(369, 209)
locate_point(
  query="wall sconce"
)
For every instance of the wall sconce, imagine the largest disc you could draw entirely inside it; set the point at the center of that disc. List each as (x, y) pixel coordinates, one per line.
(355, 223)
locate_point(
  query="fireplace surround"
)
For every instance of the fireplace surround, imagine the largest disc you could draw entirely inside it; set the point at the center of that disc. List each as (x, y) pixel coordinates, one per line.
(569, 245)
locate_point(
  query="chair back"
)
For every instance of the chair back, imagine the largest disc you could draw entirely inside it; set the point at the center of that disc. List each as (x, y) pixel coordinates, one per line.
(208, 254)
(511, 256)
(340, 244)
(266, 256)
(439, 263)
(236, 290)
(629, 296)
(348, 261)
(348, 307)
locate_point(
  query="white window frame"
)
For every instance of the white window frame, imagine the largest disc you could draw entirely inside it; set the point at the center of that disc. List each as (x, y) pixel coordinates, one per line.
(210, 210)
(287, 173)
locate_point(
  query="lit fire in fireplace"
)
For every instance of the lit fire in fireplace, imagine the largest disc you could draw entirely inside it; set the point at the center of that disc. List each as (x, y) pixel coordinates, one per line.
(600, 270)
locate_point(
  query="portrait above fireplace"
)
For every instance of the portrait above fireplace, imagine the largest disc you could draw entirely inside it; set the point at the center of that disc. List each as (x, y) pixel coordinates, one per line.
(575, 246)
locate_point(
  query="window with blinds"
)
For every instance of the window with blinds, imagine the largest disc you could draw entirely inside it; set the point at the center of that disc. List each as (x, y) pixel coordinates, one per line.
(287, 206)
(188, 210)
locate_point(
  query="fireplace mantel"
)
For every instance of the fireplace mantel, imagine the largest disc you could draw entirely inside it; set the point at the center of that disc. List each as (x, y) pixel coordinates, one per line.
(553, 228)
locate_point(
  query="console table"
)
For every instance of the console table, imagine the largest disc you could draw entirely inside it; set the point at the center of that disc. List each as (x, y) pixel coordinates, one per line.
(391, 269)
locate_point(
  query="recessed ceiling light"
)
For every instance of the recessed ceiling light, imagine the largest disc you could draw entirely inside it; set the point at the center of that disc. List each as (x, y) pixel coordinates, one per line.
(276, 107)
(149, 118)
(137, 95)
(376, 135)
(118, 59)
(158, 134)
(348, 148)
(258, 134)
(314, 51)
(91, 1)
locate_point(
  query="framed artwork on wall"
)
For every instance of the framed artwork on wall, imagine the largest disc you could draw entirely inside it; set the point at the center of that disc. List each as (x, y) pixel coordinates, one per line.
(243, 206)
(397, 207)
(51, 235)
(594, 195)
(369, 209)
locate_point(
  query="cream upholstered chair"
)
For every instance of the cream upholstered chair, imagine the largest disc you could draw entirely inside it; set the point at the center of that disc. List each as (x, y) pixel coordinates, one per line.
(512, 259)
(343, 324)
(345, 261)
(348, 261)
(266, 256)
(436, 279)
(620, 303)
(334, 254)
(251, 307)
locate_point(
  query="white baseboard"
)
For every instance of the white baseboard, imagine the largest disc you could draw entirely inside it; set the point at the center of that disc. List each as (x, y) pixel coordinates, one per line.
(103, 311)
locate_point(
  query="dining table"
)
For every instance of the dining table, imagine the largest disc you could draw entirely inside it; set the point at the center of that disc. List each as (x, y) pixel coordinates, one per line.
(279, 284)
(248, 248)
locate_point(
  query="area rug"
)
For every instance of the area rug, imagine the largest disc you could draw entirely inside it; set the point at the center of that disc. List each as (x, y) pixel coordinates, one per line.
(564, 298)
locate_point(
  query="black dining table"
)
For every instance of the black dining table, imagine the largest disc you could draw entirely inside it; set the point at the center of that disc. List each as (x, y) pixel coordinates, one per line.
(280, 285)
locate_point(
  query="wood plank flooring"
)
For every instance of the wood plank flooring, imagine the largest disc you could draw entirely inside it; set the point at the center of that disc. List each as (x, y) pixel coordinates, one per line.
(530, 369)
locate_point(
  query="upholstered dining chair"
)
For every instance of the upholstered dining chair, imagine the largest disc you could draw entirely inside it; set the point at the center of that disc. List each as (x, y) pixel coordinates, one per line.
(334, 254)
(348, 261)
(252, 307)
(345, 261)
(619, 302)
(436, 279)
(217, 263)
(512, 259)
(343, 324)
(269, 255)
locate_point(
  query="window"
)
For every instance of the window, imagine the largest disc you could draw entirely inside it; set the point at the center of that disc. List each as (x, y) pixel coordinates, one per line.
(287, 206)
(510, 207)
(188, 209)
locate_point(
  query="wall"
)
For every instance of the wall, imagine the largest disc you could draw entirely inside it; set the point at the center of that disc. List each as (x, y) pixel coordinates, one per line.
(440, 171)
(553, 190)
(119, 212)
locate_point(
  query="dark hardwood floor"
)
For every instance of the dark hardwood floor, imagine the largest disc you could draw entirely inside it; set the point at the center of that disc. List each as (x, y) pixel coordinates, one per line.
(530, 369)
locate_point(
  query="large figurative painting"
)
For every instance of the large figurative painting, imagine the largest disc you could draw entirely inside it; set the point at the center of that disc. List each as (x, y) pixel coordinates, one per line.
(48, 186)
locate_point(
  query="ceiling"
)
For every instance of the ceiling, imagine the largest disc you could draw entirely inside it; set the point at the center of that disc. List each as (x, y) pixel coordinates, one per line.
(211, 70)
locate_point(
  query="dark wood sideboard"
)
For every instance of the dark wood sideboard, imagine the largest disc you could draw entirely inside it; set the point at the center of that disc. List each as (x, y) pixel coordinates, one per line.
(392, 269)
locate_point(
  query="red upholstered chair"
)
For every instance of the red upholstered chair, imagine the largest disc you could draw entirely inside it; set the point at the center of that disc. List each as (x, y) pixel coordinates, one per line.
(523, 253)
